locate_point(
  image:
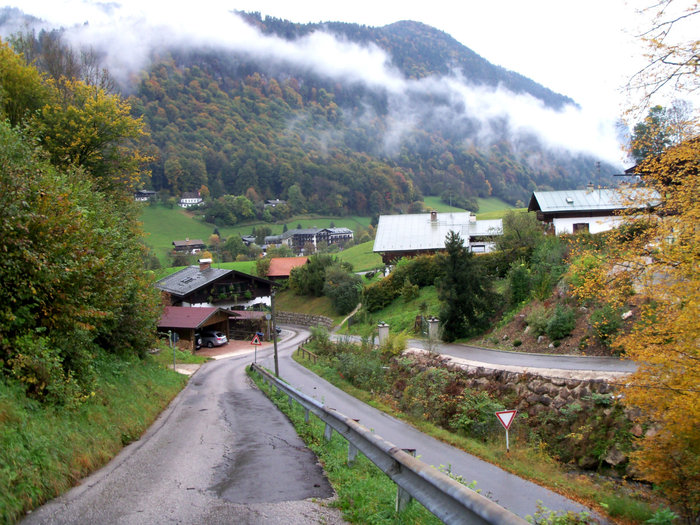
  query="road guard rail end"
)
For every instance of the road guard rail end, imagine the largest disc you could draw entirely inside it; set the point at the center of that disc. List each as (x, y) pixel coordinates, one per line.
(446, 498)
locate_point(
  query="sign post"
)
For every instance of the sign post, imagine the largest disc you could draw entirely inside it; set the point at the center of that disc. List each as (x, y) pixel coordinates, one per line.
(506, 417)
(257, 343)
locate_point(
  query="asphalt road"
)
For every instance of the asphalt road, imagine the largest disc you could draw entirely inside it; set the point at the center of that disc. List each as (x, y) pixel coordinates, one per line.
(517, 495)
(220, 453)
(499, 358)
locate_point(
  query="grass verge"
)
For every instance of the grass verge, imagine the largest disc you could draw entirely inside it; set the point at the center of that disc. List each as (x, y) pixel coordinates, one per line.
(365, 493)
(45, 450)
(617, 500)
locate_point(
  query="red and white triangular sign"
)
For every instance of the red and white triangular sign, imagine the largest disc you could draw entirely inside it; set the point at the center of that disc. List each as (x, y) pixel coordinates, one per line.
(506, 417)
(256, 340)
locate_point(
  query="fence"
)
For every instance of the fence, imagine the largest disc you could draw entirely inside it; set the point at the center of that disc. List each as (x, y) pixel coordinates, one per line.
(446, 498)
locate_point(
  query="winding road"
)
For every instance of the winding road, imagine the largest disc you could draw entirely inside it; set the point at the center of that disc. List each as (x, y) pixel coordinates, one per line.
(222, 453)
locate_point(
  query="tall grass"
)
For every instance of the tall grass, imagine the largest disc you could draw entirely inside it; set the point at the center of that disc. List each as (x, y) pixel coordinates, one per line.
(362, 257)
(45, 450)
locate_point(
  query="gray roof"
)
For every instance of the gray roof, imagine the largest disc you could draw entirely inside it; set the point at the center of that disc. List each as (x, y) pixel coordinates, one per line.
(337, 231)
(418, 232)
(603, 199)
(189, 279)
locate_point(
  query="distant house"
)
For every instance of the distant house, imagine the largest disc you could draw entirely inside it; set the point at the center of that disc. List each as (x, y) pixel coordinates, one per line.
(424, 233)
(206, 286)
(280, 267)
(189, 199)
(144, 195)
(272, 203)
(189, 246)
(297, 238)
(590, 210)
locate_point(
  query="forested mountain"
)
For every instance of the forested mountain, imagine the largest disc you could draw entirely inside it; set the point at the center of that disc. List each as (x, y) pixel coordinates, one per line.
(238, 123)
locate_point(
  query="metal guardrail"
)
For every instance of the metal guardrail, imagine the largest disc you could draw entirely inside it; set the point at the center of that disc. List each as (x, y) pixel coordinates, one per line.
(446, 498)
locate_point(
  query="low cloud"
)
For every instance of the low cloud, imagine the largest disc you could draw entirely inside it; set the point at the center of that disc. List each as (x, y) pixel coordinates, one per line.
(128, 34)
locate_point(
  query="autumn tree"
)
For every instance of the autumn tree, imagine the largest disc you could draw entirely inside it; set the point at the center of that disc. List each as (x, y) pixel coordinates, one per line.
(653, 260)
(673, 57)
(88, 128)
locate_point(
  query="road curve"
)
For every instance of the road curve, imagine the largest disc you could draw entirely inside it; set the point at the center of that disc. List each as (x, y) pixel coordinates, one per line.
(220, 453)
(502, 358)
(510, 491)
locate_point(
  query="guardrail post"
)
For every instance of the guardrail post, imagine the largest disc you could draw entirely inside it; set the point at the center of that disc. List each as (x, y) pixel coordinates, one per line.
(306, 415)
(291, 400)
(352, 454)
(403, 497)
(328, 432)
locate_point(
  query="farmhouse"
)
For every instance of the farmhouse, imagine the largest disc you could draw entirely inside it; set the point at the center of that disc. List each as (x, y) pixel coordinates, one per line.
(189, 199)
(189, 246)
(206, 286)
(424, 233)
(590, 210)
(144, 195)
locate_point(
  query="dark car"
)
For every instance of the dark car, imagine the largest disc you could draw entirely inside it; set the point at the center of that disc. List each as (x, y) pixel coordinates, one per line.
(212, 338)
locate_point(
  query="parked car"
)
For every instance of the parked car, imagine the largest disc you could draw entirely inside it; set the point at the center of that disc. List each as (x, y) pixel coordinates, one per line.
(212, 338)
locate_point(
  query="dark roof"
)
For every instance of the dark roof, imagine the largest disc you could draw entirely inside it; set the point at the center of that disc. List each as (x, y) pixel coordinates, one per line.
(186, 316)
(190, 279)
(189, 242)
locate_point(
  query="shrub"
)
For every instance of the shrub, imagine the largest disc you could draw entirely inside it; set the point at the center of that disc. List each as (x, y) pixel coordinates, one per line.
(409, 291)
(362, 370)
(537, 320)
(475, 415)
(561, 323)
(519, 282)
(606, 322)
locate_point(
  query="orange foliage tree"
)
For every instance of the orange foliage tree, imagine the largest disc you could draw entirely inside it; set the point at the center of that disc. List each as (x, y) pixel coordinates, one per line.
(655, 256)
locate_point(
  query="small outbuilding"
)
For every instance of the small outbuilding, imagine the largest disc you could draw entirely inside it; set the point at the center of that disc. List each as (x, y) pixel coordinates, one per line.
(185, 321)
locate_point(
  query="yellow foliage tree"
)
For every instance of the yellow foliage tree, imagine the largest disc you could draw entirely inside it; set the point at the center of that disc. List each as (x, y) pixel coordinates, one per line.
(656, 257)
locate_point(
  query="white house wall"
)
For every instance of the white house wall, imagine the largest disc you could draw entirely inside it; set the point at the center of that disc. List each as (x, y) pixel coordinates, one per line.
(595, 224)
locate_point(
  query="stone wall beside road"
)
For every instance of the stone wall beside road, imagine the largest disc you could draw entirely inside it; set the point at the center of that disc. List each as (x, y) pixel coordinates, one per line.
(298, 319)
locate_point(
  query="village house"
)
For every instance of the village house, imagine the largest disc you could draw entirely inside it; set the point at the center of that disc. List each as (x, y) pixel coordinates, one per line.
(593, 210)
(297, 238)
(189, 199)
(204, 286)
(189, 246)
(281, 267)
(424, 233)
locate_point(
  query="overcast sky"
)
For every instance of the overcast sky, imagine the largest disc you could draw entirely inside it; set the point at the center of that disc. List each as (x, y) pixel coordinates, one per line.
(584, 49)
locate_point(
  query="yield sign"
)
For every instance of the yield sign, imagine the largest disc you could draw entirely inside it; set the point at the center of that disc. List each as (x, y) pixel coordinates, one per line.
(256, 340)
(506, 417)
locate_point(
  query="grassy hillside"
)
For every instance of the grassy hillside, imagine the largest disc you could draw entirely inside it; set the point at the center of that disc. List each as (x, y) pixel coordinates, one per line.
(164, 225)
(362, 257)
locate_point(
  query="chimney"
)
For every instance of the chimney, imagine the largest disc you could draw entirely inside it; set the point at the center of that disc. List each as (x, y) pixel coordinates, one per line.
(589, 188)
(472, 217)
(204, 264)
(433, 216)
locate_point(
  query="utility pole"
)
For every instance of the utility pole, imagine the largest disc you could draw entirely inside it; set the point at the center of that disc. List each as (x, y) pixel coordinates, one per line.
(274, 331)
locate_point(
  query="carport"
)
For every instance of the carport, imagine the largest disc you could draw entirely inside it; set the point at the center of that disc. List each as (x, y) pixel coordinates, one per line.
(185, 321)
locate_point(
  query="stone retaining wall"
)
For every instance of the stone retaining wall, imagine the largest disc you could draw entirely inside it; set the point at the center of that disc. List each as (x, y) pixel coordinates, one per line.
(303, 319)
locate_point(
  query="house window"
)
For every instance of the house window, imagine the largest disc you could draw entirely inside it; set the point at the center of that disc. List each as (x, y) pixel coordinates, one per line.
(581, 227)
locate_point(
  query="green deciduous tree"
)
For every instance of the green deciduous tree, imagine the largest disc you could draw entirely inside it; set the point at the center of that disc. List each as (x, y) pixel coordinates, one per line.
(71, 272)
